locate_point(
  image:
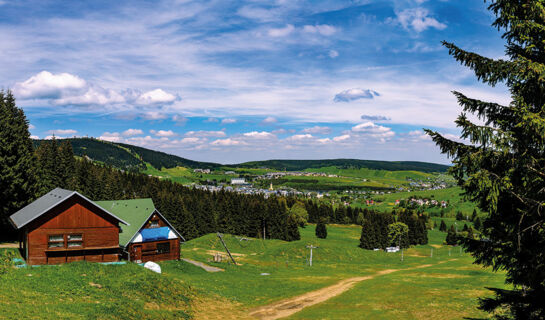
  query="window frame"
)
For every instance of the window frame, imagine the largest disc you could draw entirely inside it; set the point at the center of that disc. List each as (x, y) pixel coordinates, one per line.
(68, 241)
(50, 242)
(164, 245)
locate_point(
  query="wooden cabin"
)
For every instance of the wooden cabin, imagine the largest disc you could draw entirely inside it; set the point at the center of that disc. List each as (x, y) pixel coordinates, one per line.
(148, 236)
(64, 226)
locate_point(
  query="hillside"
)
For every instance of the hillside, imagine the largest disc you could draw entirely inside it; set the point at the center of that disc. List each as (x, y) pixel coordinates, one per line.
(126, 156)
(299, 165)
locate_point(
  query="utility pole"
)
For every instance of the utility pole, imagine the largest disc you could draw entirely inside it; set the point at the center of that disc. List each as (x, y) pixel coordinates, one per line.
(311, 247)
(225, 246)
(431, 253)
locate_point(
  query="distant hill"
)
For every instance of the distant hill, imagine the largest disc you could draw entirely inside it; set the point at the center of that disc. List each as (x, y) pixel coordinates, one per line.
(299, 165)
(129, 157)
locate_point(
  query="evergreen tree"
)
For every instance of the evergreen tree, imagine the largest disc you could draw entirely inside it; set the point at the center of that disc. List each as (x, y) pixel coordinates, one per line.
(502, 168)
(452, 238)
(17, 163)
(443, 226)
(321, 229)
(368, 238)
(459, 216)
(465, 227)
(470, 234)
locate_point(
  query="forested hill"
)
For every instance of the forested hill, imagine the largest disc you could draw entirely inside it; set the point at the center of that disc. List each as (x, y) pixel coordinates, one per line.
(299, 165)
(125, 156)
(129, 157)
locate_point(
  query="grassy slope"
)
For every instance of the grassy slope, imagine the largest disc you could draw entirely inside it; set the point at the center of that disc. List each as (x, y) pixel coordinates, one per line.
(446, 290)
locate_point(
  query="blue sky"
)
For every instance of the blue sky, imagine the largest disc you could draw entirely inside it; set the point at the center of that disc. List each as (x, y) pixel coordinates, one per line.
(228, 81)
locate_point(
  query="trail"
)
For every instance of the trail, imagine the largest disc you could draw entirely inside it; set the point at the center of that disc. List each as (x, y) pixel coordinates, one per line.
(293, 305)
(203, 265)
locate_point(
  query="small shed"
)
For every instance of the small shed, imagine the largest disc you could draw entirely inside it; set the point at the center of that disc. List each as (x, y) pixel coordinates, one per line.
(149, 236)
(64, 226)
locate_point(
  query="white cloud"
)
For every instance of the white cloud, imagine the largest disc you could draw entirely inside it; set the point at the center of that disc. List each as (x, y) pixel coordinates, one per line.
(341, 138)
(132, 132)
(323, 29)
(31, 126)
(34, 137)
(374, 118)
(180, 120)
(269, 120)
(355, 94)
(369, 129)
(111, 136)
(300, 137)
(163, 133)
(259, 135)
(46, 85)
(63, 132)
(153, 115)
(92, 96)
(203, 133)
(228, 121)
(281, 32)
(317, 130)
(211, 119)
(333, 54)
(154, 97)
(227, 142)
(418, 19)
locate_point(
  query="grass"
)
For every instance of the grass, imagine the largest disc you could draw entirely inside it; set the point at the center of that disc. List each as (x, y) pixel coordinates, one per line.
(448, 289)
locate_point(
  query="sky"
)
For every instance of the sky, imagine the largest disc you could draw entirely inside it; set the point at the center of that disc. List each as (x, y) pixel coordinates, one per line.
(235, 81)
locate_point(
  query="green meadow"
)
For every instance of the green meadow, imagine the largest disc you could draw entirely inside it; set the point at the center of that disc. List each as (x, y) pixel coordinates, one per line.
(433, 281)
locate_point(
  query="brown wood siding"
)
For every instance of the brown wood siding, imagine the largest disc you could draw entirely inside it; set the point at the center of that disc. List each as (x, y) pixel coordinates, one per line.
(149, 250)
(75, 216)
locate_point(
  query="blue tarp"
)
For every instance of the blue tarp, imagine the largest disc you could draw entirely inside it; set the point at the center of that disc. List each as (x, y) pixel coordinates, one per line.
(155, 234)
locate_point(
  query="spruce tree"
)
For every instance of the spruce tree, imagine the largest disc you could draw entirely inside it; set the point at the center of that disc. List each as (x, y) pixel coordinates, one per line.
(452, 238)
(477, 223)
(368, 237)
(443, 226)
(17, 162)
(474, 215)
(459, 216)
(501, 166)
(321, 229)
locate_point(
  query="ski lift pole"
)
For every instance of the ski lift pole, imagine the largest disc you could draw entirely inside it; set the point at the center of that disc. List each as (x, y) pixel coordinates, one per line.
(226, 249)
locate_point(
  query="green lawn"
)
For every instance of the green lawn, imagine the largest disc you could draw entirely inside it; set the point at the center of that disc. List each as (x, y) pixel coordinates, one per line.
(447, 289)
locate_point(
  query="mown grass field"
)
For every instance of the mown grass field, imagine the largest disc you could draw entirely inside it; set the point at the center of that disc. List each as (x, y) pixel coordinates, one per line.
(443, 284)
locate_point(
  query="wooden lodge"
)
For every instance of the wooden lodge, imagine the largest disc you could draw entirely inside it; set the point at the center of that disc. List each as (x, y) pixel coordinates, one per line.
(149, 236)
(64, 226)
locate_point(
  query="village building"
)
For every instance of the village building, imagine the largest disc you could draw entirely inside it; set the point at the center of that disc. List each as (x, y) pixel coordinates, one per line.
(148, 236)
(64, 226)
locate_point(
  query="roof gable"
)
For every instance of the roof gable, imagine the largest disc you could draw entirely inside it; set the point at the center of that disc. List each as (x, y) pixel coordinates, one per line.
(137, 212)
(47, 202)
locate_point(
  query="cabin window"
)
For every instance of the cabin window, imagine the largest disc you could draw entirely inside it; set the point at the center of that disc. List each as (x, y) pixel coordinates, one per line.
(75, 240)
(163, 247)
(154, 224)
(56, 241)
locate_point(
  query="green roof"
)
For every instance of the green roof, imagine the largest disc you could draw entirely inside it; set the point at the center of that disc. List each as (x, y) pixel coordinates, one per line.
(135, 212)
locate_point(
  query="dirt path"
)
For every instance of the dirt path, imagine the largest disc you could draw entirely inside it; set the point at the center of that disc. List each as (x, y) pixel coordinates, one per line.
(202, 265)
(290, 306)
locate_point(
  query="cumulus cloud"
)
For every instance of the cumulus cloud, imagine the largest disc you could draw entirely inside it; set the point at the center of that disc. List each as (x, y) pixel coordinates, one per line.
(369, 129)
(157, 96)
(63, 132)
(228, 121)
(110, 136)
(333, 54)
(153, 115)
(341, 138)
(317, 130)
(132, 132)
(355, 94)
(375, 118)
(180, 120)
(34, 137)
(418, 19)
(31, 126)
(281, 32)
(212, 120)
(269, 120)
(300, 137)
(46, 85)
(259, 135)
(323, 29)
(227, 142)
(63, 89)
(203, 133)
(163, 133)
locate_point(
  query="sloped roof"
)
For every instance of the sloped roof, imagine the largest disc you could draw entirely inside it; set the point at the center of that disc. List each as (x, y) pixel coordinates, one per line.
(45, 203)
(136, 212)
